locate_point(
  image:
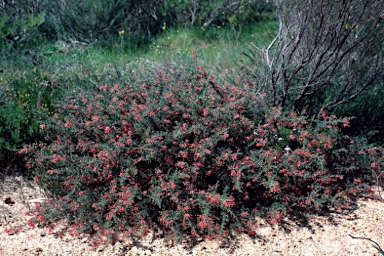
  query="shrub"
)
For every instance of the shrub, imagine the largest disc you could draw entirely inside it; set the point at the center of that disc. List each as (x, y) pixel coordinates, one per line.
(25, 99)
(19, 23)
(368, 113)
(317, 169)
(255, 11)
(183, 153)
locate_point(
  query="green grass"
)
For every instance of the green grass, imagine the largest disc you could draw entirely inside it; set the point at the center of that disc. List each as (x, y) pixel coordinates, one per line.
(218, 49)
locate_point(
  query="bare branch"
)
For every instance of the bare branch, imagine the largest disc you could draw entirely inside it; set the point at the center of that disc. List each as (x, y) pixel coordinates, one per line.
(315, 48)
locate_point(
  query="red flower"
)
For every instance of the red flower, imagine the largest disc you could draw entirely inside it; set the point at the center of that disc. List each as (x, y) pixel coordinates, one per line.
(202, 224)
(168, 223)
(74, 232)
(107, 130)
(345, 122)
(95, 118)
(230, 202)
(213, 199)
(31, 223)
(244, 214)
(374, 165)
(181, 164)
(51, 172)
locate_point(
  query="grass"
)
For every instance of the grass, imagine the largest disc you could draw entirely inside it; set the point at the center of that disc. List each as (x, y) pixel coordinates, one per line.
(217, 48)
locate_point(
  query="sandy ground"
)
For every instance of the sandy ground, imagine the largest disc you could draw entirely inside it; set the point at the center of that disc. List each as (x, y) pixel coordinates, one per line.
(325, 235)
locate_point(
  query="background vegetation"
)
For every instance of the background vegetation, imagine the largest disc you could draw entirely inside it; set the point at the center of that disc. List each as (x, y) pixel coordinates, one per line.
(296, 62)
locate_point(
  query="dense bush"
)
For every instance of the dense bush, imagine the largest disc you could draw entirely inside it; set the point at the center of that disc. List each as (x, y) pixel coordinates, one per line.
(25, 99)
(90, 20)
(368, 115)
(255, 11)
(19, 23)
(186, 154)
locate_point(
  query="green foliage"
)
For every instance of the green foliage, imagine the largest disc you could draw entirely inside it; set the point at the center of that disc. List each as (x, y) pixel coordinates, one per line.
(11, 118)
(19, 23)
(368, 115)
(12, 130)
(255, 11)
(25, 100)
(180, 151)
(88, 21)
(201, 14)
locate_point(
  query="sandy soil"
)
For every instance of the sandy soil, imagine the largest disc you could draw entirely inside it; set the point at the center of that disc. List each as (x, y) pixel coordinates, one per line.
(325, 235)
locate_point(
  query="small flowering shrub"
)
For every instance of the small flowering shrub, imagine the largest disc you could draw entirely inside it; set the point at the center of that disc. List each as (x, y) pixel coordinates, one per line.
(181, 152)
